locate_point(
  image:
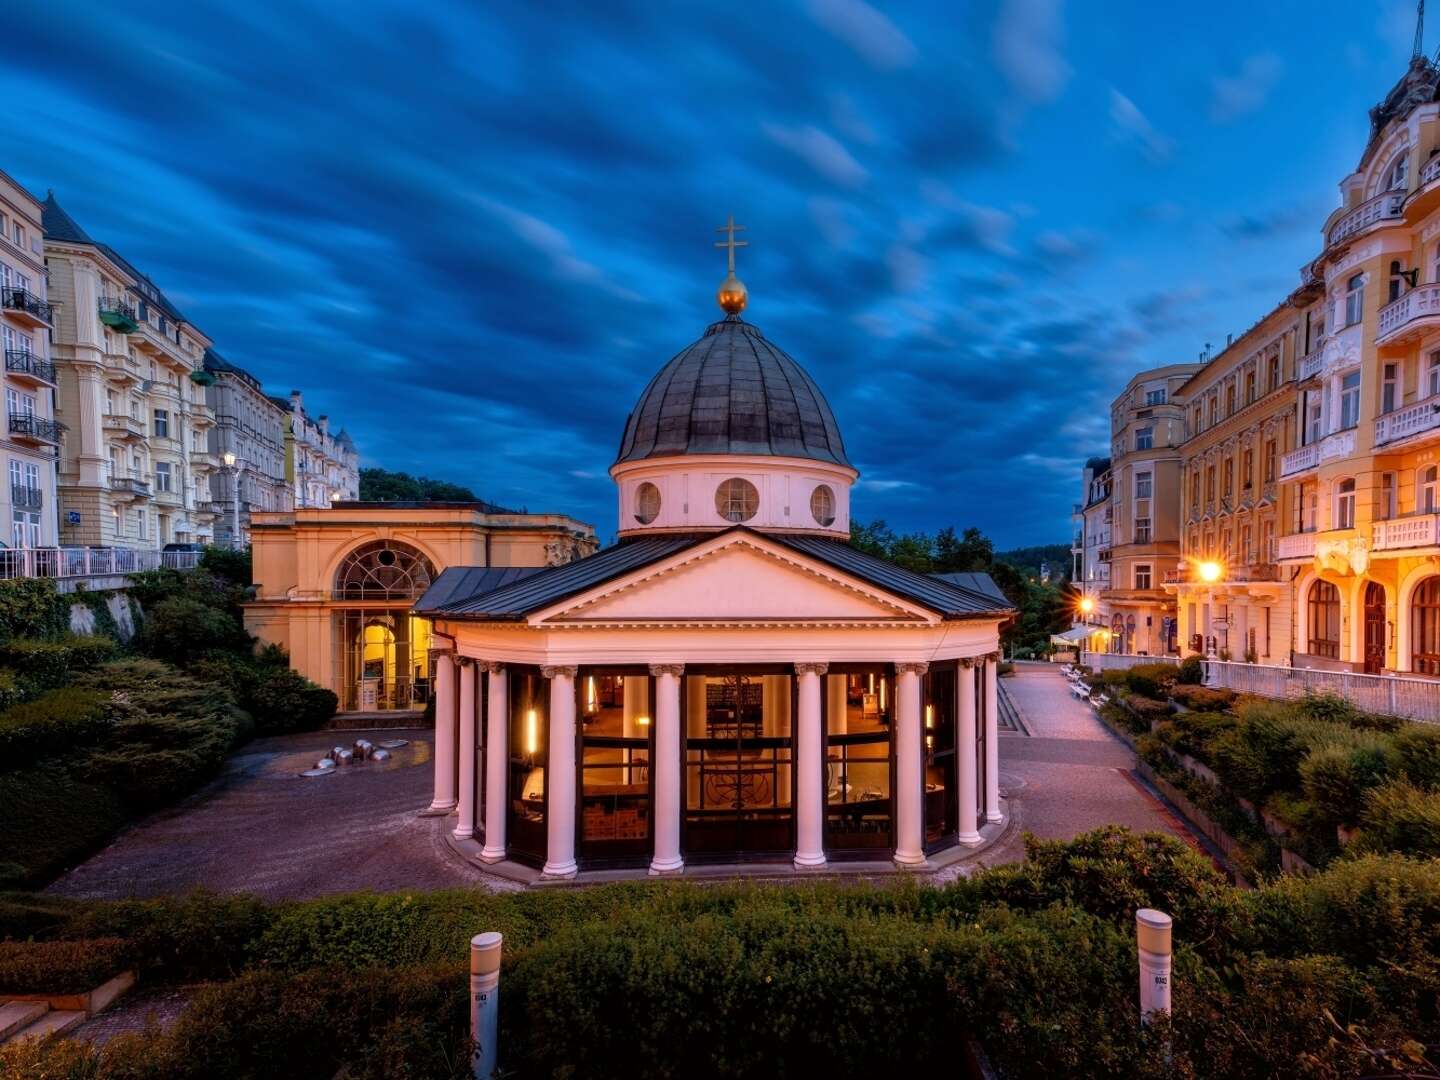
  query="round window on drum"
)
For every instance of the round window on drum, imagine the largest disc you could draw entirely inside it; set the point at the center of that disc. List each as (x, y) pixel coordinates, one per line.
(822, 505)
(647, 503)
(737, 500)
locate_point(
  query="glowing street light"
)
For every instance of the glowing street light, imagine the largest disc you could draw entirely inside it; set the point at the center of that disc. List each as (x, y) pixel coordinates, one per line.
(1087, 604)
(1211, 571)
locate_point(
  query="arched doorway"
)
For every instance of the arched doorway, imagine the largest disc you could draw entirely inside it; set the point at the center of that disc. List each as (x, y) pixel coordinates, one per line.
(1374, 628)
(1323, 620)
(383, 654)
(1425, 627)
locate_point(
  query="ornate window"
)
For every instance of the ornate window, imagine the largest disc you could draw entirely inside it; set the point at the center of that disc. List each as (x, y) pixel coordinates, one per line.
(1425, 627)
(1354, 299)
(822, 505)
(1427, 490)
(647, 503)
(383, 570)
(1345, 504)
(737, 500)
(1323, 607)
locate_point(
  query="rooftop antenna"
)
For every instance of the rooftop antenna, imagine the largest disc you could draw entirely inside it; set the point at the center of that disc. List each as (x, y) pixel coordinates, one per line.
(1419, 31)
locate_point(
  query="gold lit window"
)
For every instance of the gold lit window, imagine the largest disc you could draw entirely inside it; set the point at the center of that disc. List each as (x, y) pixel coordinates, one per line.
(737, 500)
(822, 505)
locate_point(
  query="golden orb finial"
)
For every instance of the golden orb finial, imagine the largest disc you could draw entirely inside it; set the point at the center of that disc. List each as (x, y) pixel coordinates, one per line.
(732, 294)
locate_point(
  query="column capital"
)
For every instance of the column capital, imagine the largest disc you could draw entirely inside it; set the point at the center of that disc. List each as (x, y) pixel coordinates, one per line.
(913, 667)
(667, 669)
(812, 667)
(970, 661)
(557, 671)
(493, 667)
(464, 661)
(993, 657)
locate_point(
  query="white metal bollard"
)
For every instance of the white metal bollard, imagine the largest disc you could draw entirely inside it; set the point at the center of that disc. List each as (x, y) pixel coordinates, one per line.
(1152, 934)
(485, 1002)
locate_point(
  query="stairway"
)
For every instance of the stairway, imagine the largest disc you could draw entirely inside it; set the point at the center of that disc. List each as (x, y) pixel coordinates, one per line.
(24, 1019)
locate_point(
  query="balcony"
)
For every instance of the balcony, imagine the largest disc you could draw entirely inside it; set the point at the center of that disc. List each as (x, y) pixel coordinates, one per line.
(1310, 364)
(1421, 531)
(26, 366)
(1340, 444)
(1410, 317)
(119, 315)
(35, 429)
(1411, 420)
(167, 496)
(27, 306)
(133, 488)
(1296, 546)
(121, 371)
(24, 497)
(1387, 206)
(126, 427)
(203, 461)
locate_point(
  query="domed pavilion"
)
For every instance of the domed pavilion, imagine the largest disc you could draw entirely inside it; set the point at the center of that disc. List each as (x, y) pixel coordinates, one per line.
(731, 682)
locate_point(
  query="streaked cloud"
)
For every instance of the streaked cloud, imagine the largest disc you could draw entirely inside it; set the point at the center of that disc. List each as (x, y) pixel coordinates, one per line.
(1233, 96)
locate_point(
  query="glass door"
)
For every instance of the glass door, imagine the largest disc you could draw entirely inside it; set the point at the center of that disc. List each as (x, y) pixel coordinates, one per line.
(616, 709)
(529, 754)
(859, 769)
(942, 778)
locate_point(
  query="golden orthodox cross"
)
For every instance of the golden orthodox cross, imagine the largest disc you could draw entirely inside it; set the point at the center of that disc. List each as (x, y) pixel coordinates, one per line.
(730, 228)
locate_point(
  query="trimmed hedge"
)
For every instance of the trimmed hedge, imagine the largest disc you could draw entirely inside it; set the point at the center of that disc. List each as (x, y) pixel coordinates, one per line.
(56, 722)
(1203, 698)
(1401, 817)
(46, 664)
(31, 608)
(50, 821)
(61, 967)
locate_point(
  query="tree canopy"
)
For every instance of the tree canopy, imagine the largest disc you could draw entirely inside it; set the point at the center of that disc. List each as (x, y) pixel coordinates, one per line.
(382, 485)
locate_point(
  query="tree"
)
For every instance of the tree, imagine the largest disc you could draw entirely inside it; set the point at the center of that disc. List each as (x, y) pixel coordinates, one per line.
(382, 485)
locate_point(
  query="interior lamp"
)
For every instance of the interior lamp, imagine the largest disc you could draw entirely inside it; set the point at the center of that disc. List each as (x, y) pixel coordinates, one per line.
(642, 721)
(532, 732)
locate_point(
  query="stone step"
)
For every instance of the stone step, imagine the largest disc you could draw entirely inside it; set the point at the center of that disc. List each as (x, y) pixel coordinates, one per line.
(15, 1015)
(54, 1022)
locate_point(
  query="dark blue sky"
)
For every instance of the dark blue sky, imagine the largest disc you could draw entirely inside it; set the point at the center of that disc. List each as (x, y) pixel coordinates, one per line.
(472, 233)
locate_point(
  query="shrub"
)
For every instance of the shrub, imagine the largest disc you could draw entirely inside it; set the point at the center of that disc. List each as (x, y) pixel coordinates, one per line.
(46, 664)
(181, 628)
(282, 701)
(60, 967)
(1400, 817)
(1191, 671)
(1261, 754)
(1147, 710)
(55, 722)
(232, 565)
(1203, 698)
(31, 608)
(1335, 779)
(51, 820)
(11, 692)
(1150, 680)
(1418, 748)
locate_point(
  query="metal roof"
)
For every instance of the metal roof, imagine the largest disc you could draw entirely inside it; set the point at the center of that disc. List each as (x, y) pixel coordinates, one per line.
(516, 600)
(732, 392)
(982, 584)
(464, 582)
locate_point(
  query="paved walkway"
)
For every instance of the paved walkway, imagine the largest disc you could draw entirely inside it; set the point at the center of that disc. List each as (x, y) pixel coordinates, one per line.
(1070, 774)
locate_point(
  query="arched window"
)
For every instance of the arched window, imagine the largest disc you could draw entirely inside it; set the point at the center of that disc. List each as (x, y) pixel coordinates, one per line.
(1397, 174)
(822, 505)
(383, 570)
(647, 503)
(1425, 627)
(737, 500)
(1345, 504)
(1324, 620)
(1427, 490)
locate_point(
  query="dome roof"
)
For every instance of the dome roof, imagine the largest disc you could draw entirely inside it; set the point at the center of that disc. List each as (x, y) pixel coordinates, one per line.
(732, 392)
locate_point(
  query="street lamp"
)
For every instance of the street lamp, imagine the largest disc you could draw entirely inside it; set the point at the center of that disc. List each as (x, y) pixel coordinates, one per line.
(1087, 605)
(229, 458)
(1211, 572)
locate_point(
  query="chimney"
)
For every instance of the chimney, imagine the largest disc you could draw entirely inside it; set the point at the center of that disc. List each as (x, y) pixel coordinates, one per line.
(296, 402)
(325, 425)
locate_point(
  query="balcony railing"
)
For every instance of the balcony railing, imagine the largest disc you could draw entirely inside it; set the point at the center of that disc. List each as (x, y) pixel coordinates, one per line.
(1340, 444)
(27, 303)
(1241, 572)
(1415, 307)
(121, 424)
(1411, 420)
(73, 562)
(25, 497)
(30, 426)
(1295, 546)
(1431, 172)
(25, 362)
(119, 315)
(1421, 531)
(1310, 363)
(130, 485)
(1383, 207)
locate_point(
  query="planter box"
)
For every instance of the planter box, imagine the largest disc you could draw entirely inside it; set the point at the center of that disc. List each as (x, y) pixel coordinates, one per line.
(1294, 864)
(1274, 826)
(90, 1002)
(1197, 819)
(1195, 768)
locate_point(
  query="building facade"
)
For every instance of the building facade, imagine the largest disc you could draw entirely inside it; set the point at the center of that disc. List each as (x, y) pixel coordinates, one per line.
(32, 436)
(248, 440)
(334, 586)
(1241, 409)
(136, 464)
(321, 466)
(1092, 520)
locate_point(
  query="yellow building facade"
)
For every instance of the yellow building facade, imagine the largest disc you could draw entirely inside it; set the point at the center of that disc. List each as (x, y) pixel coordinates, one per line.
(334, 587)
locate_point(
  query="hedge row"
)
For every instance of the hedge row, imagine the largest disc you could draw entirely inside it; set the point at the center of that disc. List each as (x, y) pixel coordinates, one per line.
(61, 967)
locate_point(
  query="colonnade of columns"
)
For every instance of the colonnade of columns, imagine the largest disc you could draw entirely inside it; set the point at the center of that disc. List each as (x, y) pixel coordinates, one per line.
(461, 734)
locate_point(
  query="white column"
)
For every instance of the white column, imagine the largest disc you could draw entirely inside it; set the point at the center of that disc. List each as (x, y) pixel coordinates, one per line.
(560, 775)
(666, 769)
(809, 790)
(909, 767)
(497, 760)
(444, 800)
(992, 739)
(465, 826)
(965, 752)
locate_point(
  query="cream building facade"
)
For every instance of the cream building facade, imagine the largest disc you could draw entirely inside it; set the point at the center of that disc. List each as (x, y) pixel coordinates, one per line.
(334, 586)
(1148, 426)
(321, 466)
(136, 466)
(32, 436)
(248, 440)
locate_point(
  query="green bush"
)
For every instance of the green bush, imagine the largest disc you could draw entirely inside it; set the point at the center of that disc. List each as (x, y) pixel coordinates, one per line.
(56, 722)
(1261, 754)
(1191, 671)
(46, 664)
(1400, 817)
(1418, 748)
(51, 820)
(183, 628)
(1204, 698)
(60, 967)
(1147, 710)
(283, 701)
(1335, 779)
(31, 608)
(1150, 680)
(232, 565)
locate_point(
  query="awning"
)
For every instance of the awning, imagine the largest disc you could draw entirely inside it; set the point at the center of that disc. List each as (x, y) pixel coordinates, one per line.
(1075, 633)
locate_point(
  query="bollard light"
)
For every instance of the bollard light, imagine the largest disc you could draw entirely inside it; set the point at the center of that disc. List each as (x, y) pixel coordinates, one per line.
(485, 1003)
(1152, 935)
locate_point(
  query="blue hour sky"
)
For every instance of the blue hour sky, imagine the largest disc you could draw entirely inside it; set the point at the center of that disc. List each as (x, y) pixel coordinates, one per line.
(472, 233)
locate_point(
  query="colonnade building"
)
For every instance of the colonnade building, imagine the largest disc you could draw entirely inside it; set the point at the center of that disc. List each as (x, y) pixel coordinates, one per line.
(731, 681)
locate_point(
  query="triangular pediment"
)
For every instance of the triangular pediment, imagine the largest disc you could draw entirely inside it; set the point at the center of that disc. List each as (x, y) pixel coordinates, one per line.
(737, 579)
